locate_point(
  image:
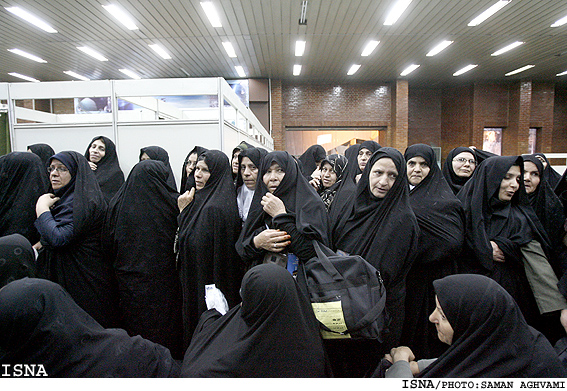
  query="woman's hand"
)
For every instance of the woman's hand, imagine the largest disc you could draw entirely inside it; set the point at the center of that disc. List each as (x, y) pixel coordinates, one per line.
(44, 203)
(497, 254)
(272, 240)
(185, 199)
(563, 319)
(402, 353)
(272, 205)
(315, 182)
(93, 166)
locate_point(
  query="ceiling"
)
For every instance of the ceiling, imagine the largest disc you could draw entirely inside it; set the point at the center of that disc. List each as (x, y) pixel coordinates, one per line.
(264, 32)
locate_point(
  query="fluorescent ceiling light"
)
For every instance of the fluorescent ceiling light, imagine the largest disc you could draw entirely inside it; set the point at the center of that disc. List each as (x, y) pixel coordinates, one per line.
(31, 19)
(229, 49)
(92, 53)
(23, 77)
(76, 75)
(303, 15)
(240, 71)
(437, 49)
(409, 69)
(129, 73)
(121, 16)
(296, 70)
(560, 22)
(519, 70)
(161, 51)
(506, 48)
(369, 48)
(489, 12)
(299, 48)
(353, 69)
(562, 73)
(396, 12)
(465, 69)
(211, 13)
(27, 55)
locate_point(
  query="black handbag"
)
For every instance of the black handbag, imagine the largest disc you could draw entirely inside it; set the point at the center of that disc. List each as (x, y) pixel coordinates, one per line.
(347, 294)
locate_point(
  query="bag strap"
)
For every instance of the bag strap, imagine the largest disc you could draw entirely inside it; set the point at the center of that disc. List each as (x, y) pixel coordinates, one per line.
(323, 254)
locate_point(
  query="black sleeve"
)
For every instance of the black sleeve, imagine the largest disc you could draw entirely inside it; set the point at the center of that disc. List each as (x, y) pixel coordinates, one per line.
(300, 245)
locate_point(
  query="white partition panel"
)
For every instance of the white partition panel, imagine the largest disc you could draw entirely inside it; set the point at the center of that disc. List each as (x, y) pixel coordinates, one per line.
(61, 89)
(4, 91)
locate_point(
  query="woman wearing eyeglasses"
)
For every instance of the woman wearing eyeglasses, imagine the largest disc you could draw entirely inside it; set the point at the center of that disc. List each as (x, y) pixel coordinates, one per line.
(69, 220)
(459, 167)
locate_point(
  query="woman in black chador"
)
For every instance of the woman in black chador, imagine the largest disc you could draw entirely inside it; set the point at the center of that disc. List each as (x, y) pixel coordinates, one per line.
(189, 165)
(103, 160)
(209, 226)
(158, 153)
(440, 217)
(44, 151)
(140, 227)
(310, 159)
(249, 164)
(18, 259)
(459, 167)
(285, 216)
(273, 333)
(70, 220)
(23, 179)
(332, 170)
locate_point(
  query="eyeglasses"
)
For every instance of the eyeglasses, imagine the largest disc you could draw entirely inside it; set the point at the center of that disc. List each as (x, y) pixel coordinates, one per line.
(462, 160)
(60, 170)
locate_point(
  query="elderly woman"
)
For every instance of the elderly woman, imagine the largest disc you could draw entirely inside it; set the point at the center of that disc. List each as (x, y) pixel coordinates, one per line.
(332, 169)
(459, 167)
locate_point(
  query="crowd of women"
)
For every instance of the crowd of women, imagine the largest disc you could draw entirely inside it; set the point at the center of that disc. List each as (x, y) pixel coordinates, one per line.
(138, 277)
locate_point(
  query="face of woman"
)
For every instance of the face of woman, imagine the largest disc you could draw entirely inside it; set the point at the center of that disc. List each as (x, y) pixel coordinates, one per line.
(464, 164)
(249, 173)
(202, 174)
(59, 175)
(510, 184)
(273, 177)
(444, 330)
(531, 177)
(328, 175)
(418, 170)
(191, 162)
(383, 175)
(97, 150)
(234, 162)
(363, 157)
(144, 157)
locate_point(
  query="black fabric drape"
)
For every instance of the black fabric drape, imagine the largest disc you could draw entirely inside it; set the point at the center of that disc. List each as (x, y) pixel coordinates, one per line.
(306, 214)
(41, 324)
(549, 174)
(23, 180)
(44, 151)
(491, 337)
(18, 259)
(140, 225)
(273, 334)
(208, 230)
(81, 266)
(158, 153)
(108, 172)
(454, 181)
(440, 217)
(338, 163)
(199, 151)
(308, 159)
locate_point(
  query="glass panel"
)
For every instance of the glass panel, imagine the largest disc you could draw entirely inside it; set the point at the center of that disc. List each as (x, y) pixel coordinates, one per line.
(168, 108)
(532, 140)
(229, 113)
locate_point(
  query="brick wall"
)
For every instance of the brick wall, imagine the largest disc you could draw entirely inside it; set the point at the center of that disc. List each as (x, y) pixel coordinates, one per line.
(425, 116)
(559, 135)
(456, 118)
(542, 116)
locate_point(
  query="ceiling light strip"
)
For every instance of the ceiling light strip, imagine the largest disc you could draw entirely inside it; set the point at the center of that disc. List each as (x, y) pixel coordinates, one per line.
(31, 19)
(211, 13)
(24, 77)
(131, 74)
(76, 75)
(296, 70)
(396, 11)
(229, 49)
(160, 51)
(519, 70)
(507, 48)
(27, 55)
(560, 22)
(92, 53)
(409, 69)
(369, 48)
(465, 69)
(121, 16)
(353, 69)
(299, 48)
(240, 71)
(489, 12)
(439, 48)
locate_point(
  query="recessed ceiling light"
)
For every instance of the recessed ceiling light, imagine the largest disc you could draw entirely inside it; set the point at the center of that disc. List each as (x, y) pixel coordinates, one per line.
(25, 15)
(299, 48)
(92, 53)
(240, 71)
(27, 55)
(369, 48)
(519, 70)
(121, 16)
(161, 51)
(489, 12)
(23, 77)
(229, 49)
(396, 12)
(296, 70)
(506, 48)
(560, 22)
(129, 73)
(353, 69)
(439, 48)
(211, 13)
(76, 75)
(409, 69)
(562, 73)
(465, 69)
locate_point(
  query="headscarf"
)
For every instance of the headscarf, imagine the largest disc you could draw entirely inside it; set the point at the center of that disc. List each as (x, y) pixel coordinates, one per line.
(549, 174)
(199, 151)
(245, 195)
(62, 210)
(308, 160)
(108, 172)
(23, 179)
(17, 259)
(273, 334)
(44, 151)
(338, 164)
(158, 153)
(240, 147)
(41, 324)
(455, 181)
(491, 337)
